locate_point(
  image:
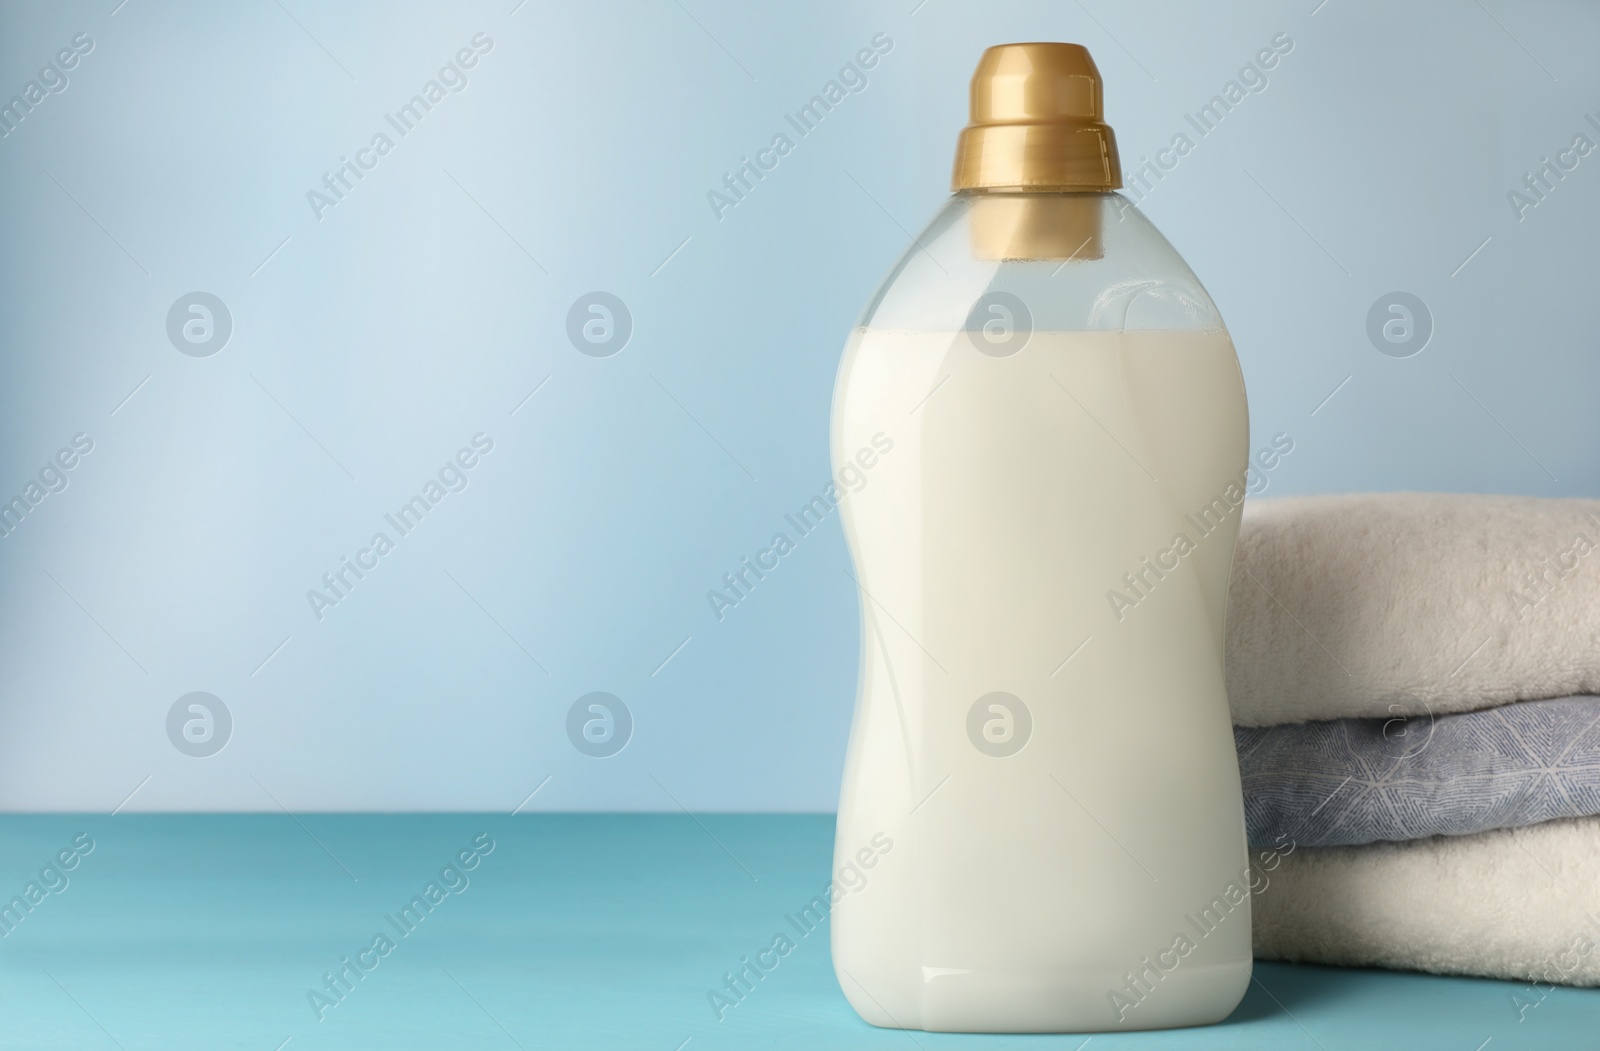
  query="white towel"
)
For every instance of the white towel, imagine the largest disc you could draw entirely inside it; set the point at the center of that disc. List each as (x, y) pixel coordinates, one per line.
(1519, 903)
(1401, 604)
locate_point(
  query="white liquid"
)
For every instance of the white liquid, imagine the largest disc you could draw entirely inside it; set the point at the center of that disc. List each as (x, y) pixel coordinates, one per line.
(1023, 889)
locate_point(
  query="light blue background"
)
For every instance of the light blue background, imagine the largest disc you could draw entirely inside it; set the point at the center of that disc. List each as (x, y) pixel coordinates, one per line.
(425, 307)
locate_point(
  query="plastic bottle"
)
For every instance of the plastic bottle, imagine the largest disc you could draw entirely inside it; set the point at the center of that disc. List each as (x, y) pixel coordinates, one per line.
(1049, 424)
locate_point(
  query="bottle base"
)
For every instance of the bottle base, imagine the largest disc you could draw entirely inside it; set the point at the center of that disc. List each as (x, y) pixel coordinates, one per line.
(1053, 1000)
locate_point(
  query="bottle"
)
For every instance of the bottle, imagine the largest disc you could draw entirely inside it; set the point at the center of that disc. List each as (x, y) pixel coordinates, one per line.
(1047, 421)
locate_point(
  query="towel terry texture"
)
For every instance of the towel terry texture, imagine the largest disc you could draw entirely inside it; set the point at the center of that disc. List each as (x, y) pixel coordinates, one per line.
(1520, 903)
(1410, 604)
(1350, 781)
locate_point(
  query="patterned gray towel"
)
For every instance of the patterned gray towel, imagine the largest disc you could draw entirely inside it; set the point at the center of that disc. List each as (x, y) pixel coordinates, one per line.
(1344, 782)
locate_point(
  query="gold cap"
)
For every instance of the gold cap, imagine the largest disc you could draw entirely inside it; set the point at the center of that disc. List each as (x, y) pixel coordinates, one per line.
(1036, 123)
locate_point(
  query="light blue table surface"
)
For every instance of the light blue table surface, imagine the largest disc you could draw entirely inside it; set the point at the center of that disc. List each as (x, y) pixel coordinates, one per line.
(577, 931)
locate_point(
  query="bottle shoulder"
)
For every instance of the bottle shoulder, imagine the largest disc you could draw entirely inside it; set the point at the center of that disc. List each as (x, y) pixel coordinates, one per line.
(1071, 262)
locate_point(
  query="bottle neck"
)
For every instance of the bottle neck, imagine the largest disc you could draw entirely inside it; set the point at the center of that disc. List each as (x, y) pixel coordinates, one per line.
(1012, 224)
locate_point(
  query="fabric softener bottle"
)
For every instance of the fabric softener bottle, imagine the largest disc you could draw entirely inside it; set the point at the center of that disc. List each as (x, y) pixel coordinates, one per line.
(1041, 771)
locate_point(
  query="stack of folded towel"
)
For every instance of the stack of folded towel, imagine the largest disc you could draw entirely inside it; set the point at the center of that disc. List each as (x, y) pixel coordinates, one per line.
(1414, 683)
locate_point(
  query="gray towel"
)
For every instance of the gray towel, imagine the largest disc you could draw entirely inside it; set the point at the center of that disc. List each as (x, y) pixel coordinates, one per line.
(1345, 782)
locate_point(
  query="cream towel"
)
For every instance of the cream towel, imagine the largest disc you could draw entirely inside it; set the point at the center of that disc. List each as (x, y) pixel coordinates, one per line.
(1517, 903)
(1402, 604)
